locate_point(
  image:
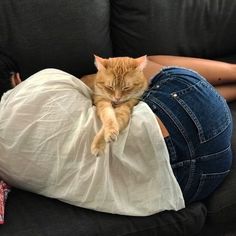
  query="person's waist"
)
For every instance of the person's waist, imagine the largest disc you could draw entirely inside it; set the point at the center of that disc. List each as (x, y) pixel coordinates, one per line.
(163, 128)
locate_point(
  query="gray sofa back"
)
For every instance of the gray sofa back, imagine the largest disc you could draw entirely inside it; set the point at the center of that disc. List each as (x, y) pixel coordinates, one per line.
(200, 28)
(63, 34)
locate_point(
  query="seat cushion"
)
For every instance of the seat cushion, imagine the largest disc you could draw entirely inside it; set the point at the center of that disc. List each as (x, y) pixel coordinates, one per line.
(62, 34)
(222, 203)
(184, 27)
(29, 214)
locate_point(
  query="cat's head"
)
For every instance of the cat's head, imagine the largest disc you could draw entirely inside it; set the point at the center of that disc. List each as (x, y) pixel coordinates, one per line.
(121, 78)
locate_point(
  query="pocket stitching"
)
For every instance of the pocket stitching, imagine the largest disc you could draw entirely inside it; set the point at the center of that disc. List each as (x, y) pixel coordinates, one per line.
(203, 179)
(170, 145)
(195, 120)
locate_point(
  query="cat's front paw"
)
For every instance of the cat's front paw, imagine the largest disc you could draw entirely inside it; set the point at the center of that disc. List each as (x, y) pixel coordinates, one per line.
(97, 151)
(111, 134)
(98, 146)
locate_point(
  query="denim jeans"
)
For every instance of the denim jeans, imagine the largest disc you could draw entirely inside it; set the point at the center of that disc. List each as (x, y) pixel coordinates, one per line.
(200, 127)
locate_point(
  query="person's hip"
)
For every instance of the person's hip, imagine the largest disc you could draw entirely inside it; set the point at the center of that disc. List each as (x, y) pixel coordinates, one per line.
(199, 124)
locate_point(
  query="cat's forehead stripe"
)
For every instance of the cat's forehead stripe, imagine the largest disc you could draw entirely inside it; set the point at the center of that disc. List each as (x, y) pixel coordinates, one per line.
(120, 66)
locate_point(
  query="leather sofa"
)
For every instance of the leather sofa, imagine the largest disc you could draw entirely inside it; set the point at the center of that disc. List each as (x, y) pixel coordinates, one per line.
(65, 34)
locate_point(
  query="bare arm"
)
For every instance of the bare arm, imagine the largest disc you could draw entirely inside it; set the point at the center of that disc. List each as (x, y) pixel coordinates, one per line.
(222, 75)
(216, 72)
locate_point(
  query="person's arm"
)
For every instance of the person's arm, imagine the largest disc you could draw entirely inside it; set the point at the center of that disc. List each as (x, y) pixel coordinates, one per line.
(216, 72)
(222, 75)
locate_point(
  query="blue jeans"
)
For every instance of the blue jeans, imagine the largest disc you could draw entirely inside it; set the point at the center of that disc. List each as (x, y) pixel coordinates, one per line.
(200, 126)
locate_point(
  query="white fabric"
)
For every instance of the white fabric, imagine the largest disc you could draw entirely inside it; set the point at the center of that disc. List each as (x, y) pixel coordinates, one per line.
(47, 124)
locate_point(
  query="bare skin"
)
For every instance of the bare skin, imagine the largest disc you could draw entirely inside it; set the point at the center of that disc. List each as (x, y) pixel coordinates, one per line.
(15, 79)
(221, 75)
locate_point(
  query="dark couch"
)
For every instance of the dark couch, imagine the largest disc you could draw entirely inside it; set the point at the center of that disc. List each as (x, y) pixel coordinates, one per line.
(65, 34)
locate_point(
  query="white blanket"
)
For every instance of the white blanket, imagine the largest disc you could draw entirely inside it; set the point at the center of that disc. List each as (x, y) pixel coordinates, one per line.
(47, 124)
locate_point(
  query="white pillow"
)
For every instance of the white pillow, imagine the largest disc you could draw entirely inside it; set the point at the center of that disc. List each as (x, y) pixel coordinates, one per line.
(47, 124)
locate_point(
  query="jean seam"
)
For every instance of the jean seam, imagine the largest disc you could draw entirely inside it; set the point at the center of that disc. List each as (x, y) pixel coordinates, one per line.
(203, 178)
(171, 149)
(157, 78)
(166, 68)
(192, 169)
(192, 116)
(195, 120)
(212, 155)
(174, 119)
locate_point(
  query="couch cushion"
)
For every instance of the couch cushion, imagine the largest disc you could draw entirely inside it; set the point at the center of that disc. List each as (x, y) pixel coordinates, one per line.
(29, 214)
(222, 203)
(184, 27)
(63, 34)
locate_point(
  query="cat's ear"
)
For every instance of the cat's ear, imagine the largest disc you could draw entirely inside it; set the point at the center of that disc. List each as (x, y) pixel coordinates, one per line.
(100, 63)
(141, 62)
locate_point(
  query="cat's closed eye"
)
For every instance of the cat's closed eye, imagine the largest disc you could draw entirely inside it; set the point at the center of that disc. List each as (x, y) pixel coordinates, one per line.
(126, 88)
(109, 87)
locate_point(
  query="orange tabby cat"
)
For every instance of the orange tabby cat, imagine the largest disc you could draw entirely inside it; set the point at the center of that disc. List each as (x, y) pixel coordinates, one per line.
(117, 87)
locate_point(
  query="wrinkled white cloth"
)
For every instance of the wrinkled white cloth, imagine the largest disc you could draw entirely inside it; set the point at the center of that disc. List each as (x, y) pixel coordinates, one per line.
(47, 124)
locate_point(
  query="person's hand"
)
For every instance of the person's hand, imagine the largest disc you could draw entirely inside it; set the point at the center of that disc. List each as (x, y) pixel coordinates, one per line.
(15, 79)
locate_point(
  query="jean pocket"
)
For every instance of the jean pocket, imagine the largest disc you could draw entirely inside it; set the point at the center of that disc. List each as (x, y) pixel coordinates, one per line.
(206, 108)
(207, 184)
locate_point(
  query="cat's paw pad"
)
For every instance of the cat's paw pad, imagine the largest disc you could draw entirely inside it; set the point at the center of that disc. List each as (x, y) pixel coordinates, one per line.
(111, 135)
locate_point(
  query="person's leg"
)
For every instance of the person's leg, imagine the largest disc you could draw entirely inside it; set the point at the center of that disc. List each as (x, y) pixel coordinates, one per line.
(222, 75)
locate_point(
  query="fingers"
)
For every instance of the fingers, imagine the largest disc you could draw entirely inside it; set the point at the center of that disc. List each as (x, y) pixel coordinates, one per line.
(15, 79)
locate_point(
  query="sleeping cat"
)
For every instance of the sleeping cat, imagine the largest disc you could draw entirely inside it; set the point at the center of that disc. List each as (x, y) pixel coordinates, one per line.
(117, 87)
